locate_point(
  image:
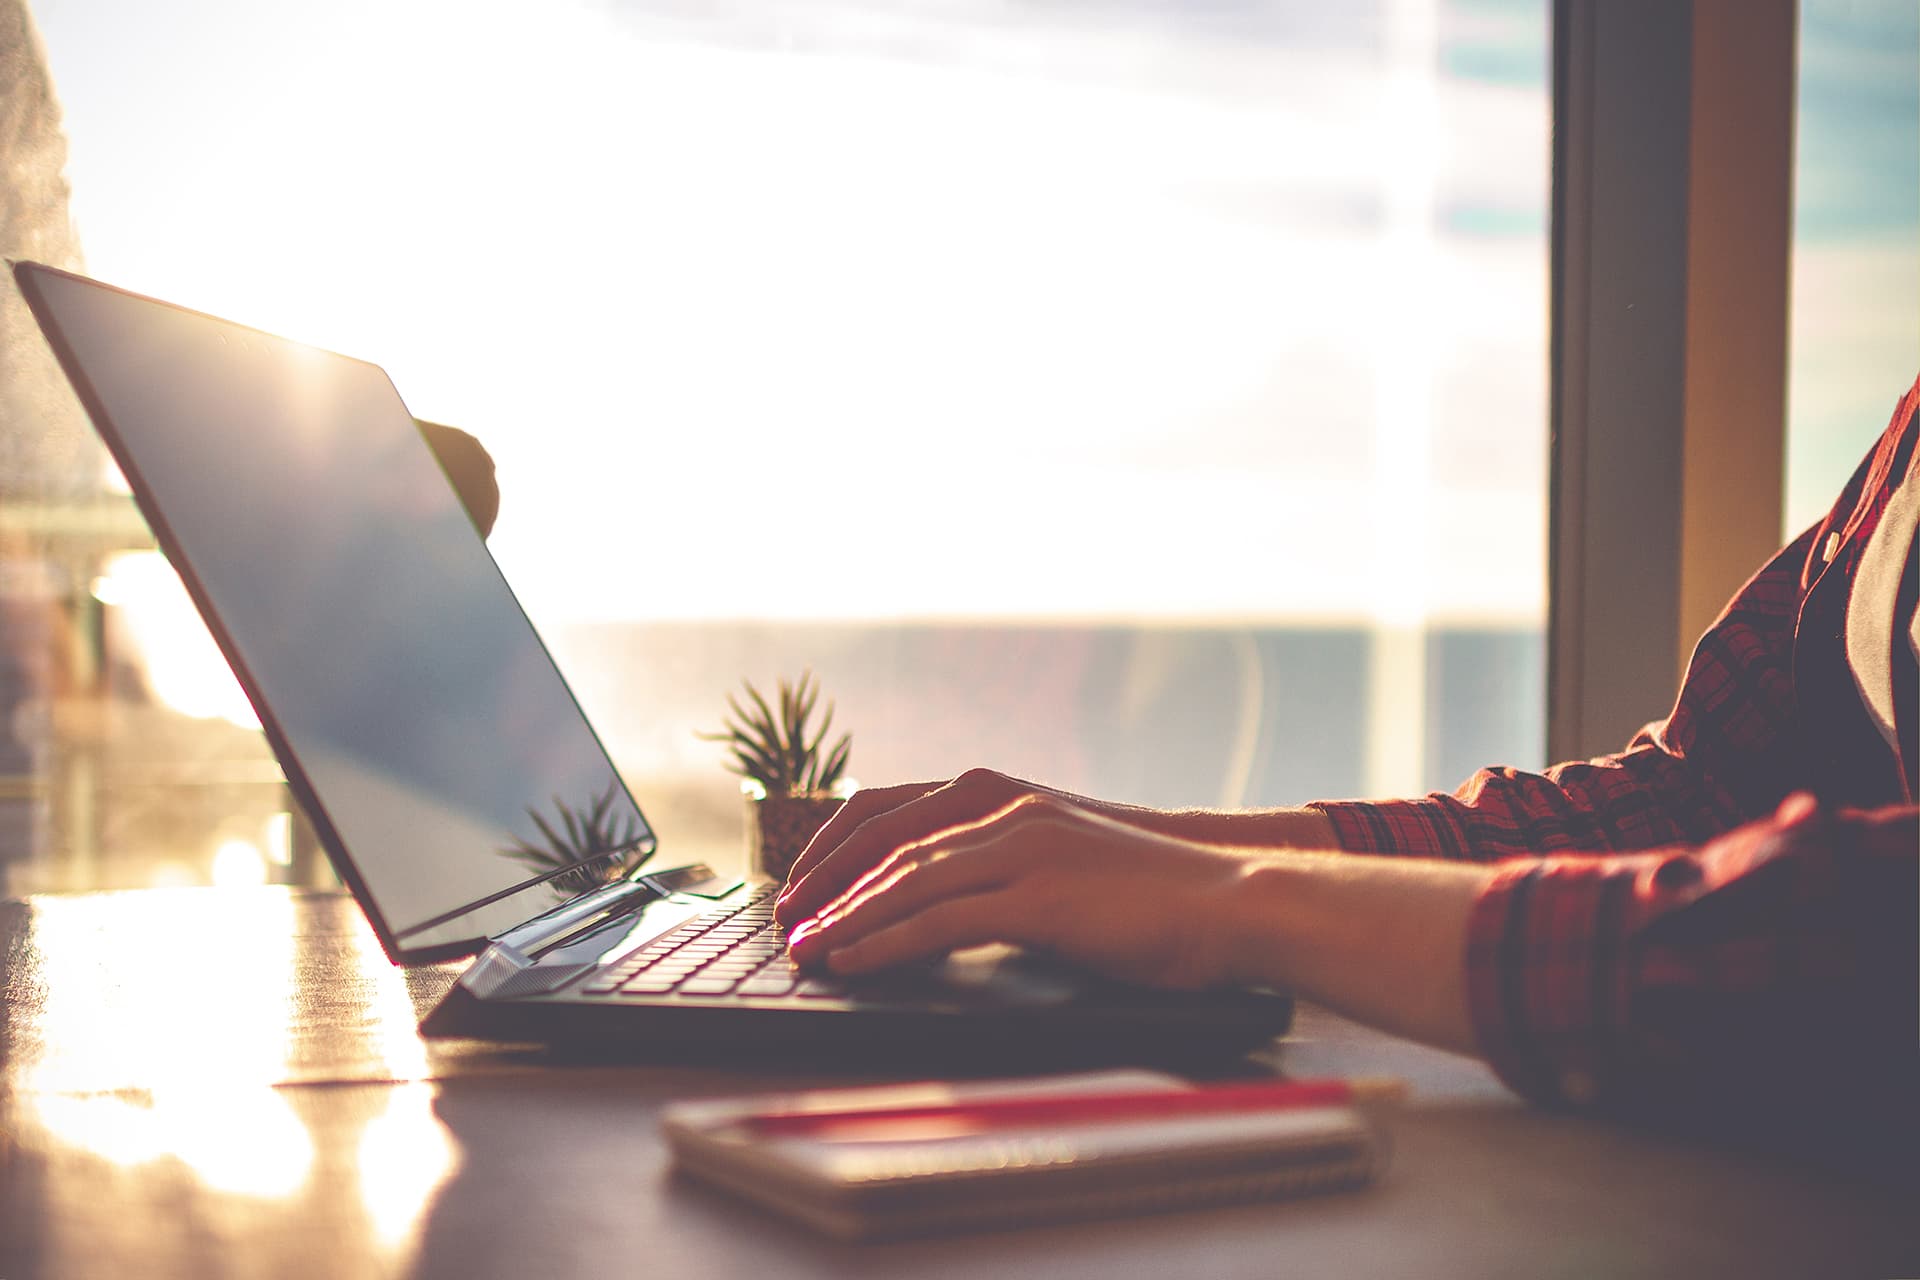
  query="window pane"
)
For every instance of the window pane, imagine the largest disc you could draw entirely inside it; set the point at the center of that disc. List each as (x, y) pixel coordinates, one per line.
(1855, 323)
(1148, 398)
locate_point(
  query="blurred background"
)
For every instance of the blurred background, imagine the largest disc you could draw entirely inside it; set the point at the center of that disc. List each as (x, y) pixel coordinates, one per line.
(1147, 397)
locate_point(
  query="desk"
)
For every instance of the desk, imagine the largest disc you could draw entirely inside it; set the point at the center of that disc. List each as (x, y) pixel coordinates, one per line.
(165, 1112)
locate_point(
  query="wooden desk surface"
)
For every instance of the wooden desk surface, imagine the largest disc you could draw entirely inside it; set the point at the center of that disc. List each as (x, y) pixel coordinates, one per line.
(165, 1111)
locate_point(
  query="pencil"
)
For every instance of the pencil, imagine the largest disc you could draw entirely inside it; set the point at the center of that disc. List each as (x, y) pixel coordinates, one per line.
(1262, 1095)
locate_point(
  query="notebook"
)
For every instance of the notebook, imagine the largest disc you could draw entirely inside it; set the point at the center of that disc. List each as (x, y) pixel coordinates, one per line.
(939, 1168)
(447, 769)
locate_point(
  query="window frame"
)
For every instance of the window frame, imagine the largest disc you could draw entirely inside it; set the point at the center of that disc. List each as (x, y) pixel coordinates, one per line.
(1670, 240)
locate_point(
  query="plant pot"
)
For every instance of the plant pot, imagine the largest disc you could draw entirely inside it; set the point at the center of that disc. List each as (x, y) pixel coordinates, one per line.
(779, 826)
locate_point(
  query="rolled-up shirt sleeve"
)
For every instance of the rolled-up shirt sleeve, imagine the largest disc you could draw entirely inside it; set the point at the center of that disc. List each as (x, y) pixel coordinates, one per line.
(1780, 961)
(1719, 759)
(1677, 926)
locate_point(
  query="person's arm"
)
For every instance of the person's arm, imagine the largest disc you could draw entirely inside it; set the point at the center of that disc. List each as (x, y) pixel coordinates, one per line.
(1771, 969)
(1152, 908)
(1722, 757)
(1774, 968)
(1718, 760)
(875, 821)
(1731, 750)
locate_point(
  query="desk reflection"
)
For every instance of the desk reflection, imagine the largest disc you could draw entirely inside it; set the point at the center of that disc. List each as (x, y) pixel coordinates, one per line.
(216, 1082)
(253, 1182)
(166, 1051)
(203, 989)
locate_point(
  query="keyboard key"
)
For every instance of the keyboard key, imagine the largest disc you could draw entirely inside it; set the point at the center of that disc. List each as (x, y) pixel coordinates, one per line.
(736, 949)
(818, 989)
(674, 937)
(671, 971)
(649, 984)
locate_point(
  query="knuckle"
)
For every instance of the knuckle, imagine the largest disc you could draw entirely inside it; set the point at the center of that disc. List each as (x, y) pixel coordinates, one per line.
(984, 782)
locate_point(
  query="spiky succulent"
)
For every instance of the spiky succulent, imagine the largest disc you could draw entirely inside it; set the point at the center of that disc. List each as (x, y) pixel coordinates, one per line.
(783, 752)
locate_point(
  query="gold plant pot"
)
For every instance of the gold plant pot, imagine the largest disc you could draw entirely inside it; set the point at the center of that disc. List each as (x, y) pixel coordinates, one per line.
(779, 826)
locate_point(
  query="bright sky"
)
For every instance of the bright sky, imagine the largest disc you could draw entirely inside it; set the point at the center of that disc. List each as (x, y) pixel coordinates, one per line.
(864, 316)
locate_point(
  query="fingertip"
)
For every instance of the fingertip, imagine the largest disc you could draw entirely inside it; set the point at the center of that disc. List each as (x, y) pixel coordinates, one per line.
(803, 948)
(794, 915)
(786, 906)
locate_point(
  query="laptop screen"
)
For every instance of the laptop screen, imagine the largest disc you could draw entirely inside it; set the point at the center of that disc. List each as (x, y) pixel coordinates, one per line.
(441, 754)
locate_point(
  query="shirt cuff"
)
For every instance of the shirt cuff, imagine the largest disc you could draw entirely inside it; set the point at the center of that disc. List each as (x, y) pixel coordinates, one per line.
(1413, 828)
(1545, 978)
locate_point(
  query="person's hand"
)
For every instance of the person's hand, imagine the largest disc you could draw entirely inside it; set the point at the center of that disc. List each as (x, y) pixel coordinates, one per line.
(874, 822)
(1040, 871)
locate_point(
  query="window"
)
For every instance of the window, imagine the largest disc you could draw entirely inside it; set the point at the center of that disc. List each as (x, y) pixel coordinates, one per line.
(1127, 396)
(1854, 324)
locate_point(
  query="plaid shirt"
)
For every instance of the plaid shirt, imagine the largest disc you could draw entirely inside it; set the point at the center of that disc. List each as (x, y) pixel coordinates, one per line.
(1673, 928)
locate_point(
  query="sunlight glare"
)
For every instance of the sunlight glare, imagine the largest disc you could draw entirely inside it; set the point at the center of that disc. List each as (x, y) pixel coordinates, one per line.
(183, 663)
(209, 1100)
(769, 288)
(242, 1142)
(405, 1157)
(239, 863)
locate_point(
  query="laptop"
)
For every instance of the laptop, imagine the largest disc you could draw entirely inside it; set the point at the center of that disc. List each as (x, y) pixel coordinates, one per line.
(447, 769)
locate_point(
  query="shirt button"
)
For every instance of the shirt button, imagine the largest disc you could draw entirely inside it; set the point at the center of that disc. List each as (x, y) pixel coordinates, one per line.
(1832, 549)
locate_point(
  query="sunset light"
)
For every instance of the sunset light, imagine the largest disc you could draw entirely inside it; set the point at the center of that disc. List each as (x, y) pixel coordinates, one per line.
(1003, 317)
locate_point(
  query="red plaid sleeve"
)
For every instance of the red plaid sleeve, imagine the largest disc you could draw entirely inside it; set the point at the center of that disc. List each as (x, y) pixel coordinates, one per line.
(1721, 758)
(1727, 754)
(1779, 961)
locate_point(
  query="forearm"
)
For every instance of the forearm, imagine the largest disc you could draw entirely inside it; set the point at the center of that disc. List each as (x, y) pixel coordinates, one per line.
(1647, 982)
(1241, 828)
(1379, 940)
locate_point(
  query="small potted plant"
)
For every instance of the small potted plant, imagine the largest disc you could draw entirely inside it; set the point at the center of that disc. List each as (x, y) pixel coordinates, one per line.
(792, 778)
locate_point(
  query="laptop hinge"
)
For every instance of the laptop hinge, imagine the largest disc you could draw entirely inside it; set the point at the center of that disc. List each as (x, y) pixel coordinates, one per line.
(569, 918)
(552, 950)
(623, 896)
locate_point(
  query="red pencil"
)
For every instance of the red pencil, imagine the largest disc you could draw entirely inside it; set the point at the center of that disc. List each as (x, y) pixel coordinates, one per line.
(1260, 1095)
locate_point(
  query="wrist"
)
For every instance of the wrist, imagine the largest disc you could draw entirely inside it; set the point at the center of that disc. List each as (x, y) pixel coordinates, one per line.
(1261, 925)
(1380, 940)
(1257, 829)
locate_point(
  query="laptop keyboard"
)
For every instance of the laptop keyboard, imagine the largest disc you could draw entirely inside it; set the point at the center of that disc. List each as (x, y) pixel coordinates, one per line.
(736, 951)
